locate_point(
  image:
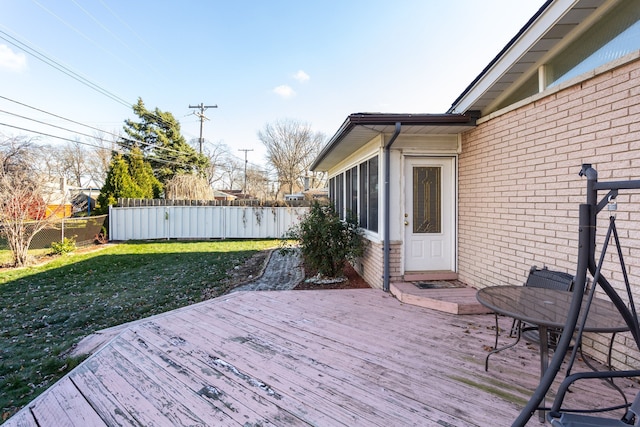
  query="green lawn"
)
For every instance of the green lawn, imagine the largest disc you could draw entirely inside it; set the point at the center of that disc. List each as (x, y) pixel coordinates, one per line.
(45, 310)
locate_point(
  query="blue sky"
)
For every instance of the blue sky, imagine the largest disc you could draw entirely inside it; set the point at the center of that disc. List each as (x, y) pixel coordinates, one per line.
(259, 61)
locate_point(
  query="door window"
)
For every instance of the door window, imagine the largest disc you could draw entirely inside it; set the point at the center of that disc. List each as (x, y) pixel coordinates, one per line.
(427, 199)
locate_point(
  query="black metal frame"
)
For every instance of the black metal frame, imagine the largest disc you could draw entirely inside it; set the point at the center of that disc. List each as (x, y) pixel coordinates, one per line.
(541, 278)
(586, 263)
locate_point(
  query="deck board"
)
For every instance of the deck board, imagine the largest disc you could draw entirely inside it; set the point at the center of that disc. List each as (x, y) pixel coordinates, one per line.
(332, 373)
(313, 385)
(294, 358)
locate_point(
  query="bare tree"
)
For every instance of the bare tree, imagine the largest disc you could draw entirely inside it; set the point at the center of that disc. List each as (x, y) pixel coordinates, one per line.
(68, 161)
(99, 158)
(218, 155)
(257, 183)
(232, 176)
(16, 154)
(25, 197)
(80, 163)
(291, 148)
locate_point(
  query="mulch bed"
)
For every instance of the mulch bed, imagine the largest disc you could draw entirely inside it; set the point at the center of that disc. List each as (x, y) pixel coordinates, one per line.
(353, 281)
(253, 267)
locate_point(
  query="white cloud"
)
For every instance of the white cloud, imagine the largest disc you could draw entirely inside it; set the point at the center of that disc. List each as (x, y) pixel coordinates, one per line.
(284, 91)
(10, 60)
(301, 76)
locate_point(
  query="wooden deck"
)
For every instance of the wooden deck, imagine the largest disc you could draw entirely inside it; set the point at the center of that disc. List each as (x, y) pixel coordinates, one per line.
(298, 358)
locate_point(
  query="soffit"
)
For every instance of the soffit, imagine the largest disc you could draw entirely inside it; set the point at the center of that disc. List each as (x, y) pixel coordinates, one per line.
(352, 136)
(521, 57)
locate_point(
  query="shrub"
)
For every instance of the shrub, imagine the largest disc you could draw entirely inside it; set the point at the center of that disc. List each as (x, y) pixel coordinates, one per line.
(326, 242)
(66, 246)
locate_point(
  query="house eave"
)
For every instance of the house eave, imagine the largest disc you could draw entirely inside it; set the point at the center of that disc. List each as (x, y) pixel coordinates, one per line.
(551, 26)
(360, 128)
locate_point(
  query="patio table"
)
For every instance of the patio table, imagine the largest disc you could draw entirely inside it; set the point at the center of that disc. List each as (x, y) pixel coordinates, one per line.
(548, 308)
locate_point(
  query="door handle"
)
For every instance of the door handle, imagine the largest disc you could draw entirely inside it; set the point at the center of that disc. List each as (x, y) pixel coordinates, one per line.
(406, 222)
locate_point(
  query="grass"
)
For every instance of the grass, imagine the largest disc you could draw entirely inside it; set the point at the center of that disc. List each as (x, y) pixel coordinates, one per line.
(45, 310)
(6, 258)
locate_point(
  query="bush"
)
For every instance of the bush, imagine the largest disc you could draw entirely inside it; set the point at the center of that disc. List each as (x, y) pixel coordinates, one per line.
(326, 242)
(66, 246)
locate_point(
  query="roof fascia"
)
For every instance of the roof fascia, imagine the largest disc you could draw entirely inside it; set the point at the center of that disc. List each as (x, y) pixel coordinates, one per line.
(373, 119)
(550, 13)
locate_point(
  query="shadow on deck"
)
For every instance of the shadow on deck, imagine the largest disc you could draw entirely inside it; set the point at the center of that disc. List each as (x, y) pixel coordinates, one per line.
(298, 358)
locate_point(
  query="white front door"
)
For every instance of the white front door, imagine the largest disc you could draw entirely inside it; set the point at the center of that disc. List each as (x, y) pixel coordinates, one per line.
(429, 217)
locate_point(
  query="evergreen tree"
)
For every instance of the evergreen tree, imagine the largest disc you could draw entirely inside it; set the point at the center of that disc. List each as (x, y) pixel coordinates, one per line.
(157, 133)
(142, 174)
(118, 184)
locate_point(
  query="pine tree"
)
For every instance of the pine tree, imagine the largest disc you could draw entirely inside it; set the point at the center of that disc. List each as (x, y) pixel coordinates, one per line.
(118, 184)
(157, 133)
(142, 174)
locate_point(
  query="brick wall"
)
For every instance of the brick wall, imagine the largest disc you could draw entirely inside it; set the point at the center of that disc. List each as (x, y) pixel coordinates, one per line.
(519, 188)
(370, 266)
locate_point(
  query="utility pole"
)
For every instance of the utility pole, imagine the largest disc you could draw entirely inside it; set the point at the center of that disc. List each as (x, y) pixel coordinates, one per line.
(244, 188)
(202, 108)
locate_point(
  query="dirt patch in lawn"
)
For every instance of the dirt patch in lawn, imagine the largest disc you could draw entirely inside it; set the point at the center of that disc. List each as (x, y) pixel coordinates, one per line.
(247, 272)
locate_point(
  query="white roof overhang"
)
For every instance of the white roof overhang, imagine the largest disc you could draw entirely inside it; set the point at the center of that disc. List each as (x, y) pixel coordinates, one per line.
(552, 26)
(359, 129)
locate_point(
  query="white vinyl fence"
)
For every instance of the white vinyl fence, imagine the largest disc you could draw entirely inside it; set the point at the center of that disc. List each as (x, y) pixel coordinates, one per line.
(201, 222)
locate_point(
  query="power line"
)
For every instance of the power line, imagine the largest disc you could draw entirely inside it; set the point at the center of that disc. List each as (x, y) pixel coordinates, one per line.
(255, 166)
(76, 76)
(44, 123)
(202, 108)
(123, 22)
(120, 137)
(51, 135)
(84, 36)
(157, 159)
(60, 67)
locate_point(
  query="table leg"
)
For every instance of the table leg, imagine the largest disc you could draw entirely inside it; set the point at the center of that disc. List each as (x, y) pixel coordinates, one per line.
(544, 363)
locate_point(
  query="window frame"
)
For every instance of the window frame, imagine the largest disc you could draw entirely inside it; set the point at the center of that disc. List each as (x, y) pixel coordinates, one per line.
(354, 192)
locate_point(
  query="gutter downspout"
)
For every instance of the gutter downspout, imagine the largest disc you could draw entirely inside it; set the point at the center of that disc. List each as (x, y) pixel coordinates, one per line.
(387, 208)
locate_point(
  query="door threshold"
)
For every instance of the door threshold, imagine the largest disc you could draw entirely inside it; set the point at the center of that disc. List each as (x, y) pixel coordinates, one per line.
(416, 276)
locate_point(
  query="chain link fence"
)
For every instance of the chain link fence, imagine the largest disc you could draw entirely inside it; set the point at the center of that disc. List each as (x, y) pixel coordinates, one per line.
(84, 230)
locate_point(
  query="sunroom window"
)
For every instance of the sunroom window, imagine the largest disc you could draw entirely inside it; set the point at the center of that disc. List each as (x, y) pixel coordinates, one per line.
(355, 193)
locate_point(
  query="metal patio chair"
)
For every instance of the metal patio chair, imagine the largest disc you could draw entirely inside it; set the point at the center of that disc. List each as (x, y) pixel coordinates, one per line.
(549, 279)
(539, 278)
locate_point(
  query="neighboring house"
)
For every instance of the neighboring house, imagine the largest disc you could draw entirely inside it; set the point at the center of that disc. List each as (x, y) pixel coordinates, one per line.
(237, 195)
(221, 195)
(316, 194)
(58, 199)
(294, 196)
(84, 199)
(491, 187)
